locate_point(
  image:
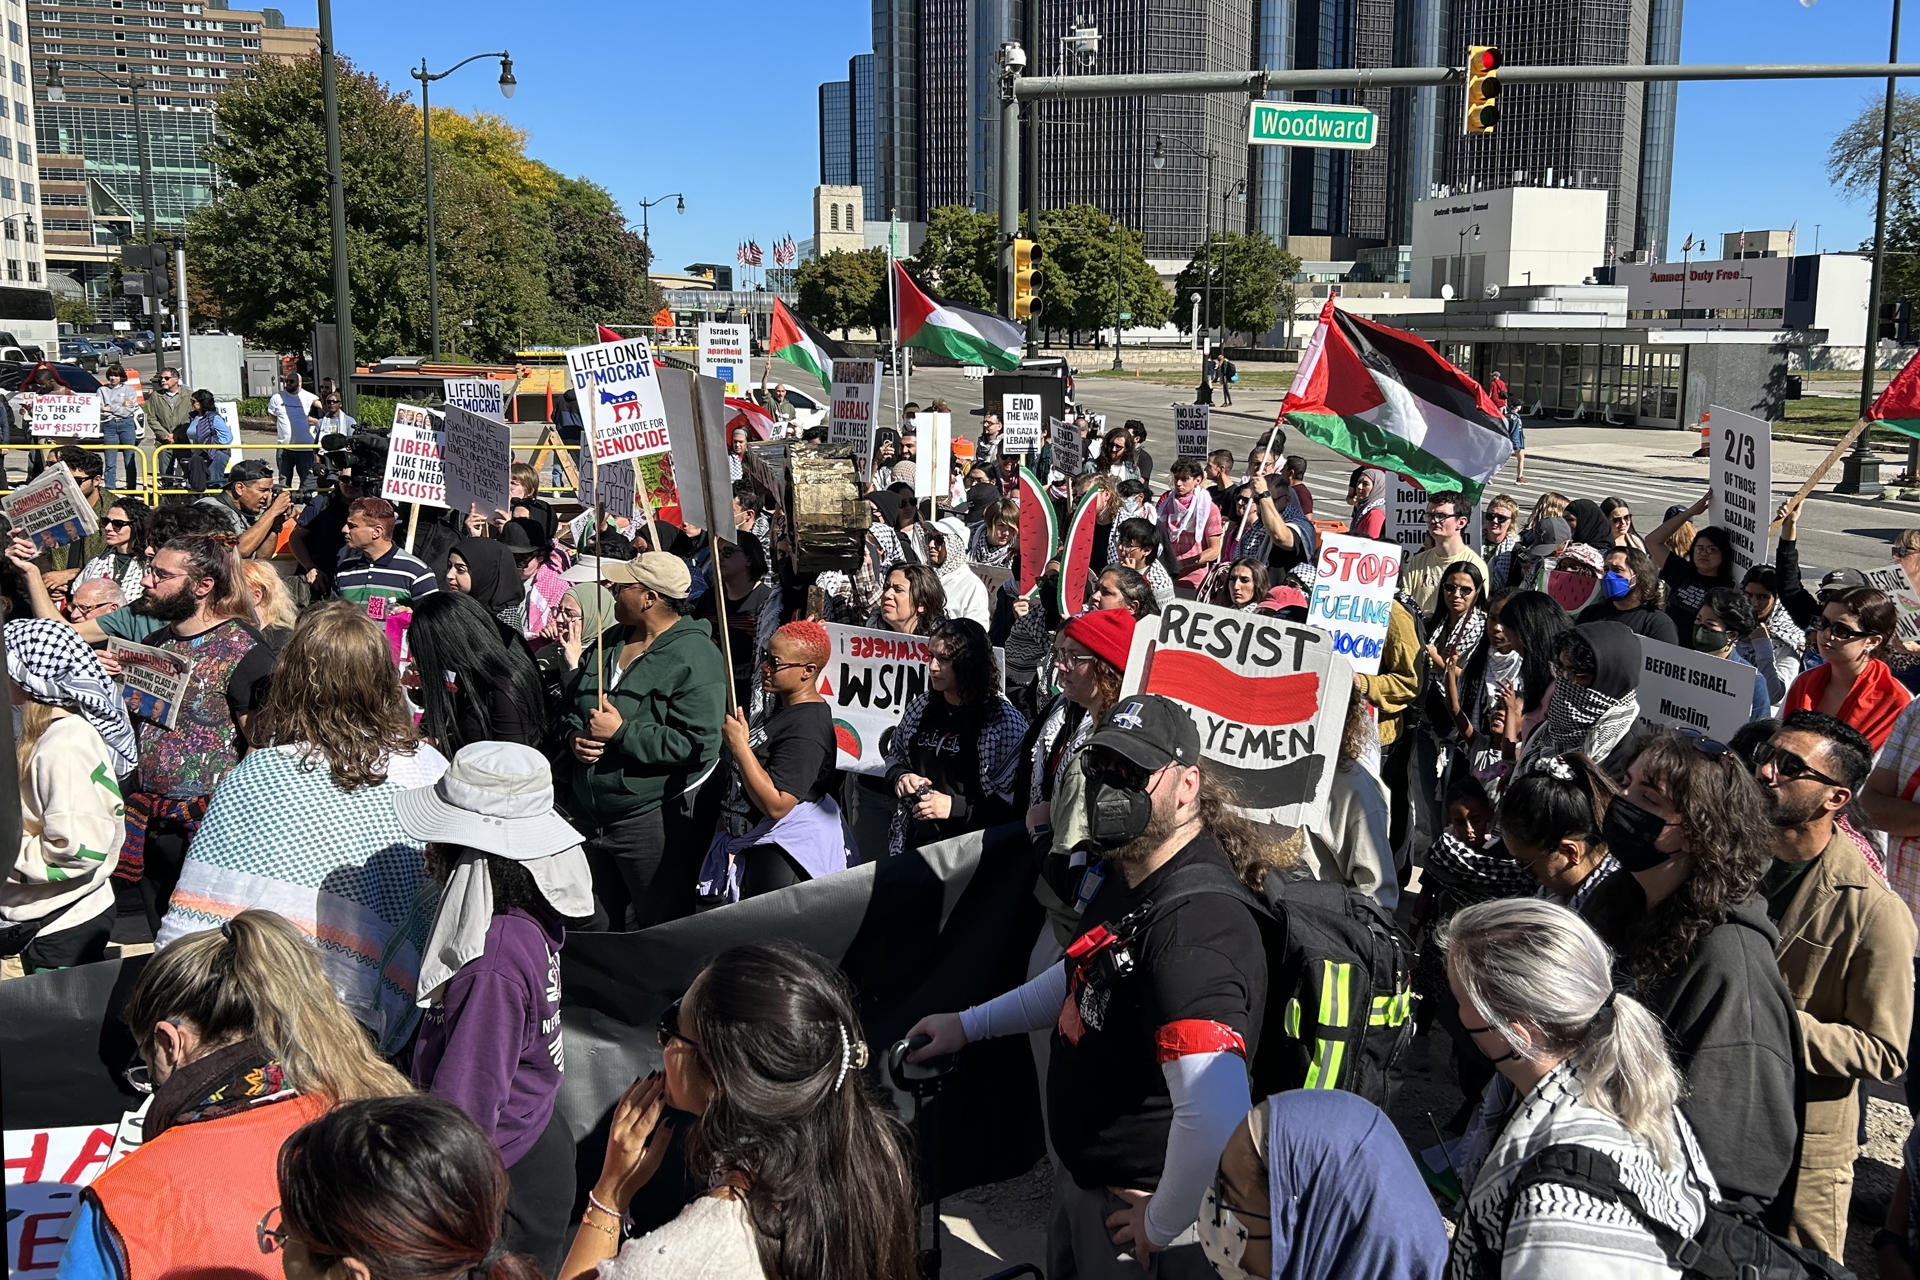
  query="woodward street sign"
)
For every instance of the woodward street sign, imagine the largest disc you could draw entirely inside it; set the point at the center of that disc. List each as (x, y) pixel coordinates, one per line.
(1312, 124)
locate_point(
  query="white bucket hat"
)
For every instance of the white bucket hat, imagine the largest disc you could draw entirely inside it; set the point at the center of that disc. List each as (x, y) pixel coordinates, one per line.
(496, 798)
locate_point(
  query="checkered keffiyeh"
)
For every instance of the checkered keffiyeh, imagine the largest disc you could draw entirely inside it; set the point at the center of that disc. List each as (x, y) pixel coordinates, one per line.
(53, 664)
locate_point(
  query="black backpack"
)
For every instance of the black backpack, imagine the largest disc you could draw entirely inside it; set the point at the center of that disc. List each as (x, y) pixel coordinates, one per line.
(1339, 1010)
(1730, 1245)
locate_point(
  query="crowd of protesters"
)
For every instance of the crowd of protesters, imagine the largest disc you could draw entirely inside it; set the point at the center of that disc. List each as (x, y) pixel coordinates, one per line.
(396, 779)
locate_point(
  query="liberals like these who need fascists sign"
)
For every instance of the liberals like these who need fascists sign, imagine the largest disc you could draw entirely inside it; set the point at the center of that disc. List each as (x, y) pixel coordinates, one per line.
(618, 386)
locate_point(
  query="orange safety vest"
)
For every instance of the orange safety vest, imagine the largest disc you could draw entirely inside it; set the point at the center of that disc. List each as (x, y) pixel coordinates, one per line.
(190, 1199)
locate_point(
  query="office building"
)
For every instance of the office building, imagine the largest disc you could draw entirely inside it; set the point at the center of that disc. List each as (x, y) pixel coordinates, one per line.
(896, 106)
(183, 53)
(1616, 138)
(1511, 236)
(836, 133)
(860, 119)
(21, 237)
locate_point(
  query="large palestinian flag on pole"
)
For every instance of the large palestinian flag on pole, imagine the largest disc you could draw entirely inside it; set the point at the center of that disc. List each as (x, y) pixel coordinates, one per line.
(800, 344)
(1898, 407)
(1386, 399)
(966, 334)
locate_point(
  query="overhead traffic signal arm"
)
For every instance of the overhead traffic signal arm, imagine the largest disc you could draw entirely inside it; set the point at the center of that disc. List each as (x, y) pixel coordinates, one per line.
(1483, 88)
(1027, 279)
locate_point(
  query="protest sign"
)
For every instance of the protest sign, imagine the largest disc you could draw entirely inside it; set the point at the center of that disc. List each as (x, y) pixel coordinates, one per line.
(611, 483)
(156, 680)
(46, 1168)
(725, 353)
(869, 679)
(1682, 689)
(673, 479)
(1353, 596)
(483, 396)
(1190, 430)
(476, 454)
(850, 419)
(1742, 482)
(618, 386)
(50, 509)
(1406, 514)
(1269, 698)
(1069, 448)
(413, 459)
(992, 576)
(1892, 579)
(933, 454)
(74, 417)
(1023, 418)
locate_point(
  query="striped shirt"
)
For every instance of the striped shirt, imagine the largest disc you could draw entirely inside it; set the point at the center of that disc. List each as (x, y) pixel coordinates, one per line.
(383, 585)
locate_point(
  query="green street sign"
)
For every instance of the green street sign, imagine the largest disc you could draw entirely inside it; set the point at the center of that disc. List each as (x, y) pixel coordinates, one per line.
(1126, 315)
(1312, 124)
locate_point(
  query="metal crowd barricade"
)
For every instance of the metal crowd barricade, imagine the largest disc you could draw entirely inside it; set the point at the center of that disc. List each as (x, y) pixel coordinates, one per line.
(140, 490)
(166, 484)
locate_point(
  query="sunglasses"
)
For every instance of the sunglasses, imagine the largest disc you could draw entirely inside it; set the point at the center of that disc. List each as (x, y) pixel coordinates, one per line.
(1790, 766)
(1838, 630)
(775, 668)
(1498, 517)
(117, 524)
(667, 1030)
(1702, 743)
(1457, 589)
(1119, 770)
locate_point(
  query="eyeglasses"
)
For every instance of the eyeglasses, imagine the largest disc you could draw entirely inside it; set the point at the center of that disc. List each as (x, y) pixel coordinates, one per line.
(1789, 766)
(139, 1077)
(81, 612)
(1070, 661)
(160, 575)
(273, 1237)
(1109, 767)
(667, 1030)
(1702, 743)
(1838, 630)
(1441, 515)
(775, 668)
(1456, 589)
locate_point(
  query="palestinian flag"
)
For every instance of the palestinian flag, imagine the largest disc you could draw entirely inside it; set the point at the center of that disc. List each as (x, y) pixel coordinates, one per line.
(1898, 407)
(966, 334)
(799, 343)
(1039, 530)
(608, 335)
(1386, 399)
(1076, 558)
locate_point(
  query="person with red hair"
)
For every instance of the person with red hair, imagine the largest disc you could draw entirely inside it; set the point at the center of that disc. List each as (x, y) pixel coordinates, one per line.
(789, 771)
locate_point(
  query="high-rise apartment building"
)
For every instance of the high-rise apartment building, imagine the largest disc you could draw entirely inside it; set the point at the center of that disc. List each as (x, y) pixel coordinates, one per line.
(183, 53)
(1614, 137)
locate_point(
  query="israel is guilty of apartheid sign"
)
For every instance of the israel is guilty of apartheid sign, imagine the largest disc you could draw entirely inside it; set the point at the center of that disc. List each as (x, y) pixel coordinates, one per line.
(1268, 697)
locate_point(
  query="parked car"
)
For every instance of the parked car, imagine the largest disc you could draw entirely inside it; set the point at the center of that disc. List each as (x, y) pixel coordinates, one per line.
(807, 411)
(85, 352)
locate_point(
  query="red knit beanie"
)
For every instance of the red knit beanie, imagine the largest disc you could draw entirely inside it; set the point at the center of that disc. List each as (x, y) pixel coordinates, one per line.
(1105, 633)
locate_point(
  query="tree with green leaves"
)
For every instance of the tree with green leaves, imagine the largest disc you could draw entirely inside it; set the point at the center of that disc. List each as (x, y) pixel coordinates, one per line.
(1249, 275)
(1853, 165)
(1092, 269)
(845, 290)
(960, 258)
(74, 311)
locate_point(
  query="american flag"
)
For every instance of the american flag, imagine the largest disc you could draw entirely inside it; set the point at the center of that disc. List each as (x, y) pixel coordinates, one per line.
(784, 252)
(740, 254)
(754, 255)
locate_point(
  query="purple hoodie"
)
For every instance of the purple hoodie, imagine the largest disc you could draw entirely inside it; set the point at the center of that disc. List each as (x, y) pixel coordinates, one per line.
(492, 1044)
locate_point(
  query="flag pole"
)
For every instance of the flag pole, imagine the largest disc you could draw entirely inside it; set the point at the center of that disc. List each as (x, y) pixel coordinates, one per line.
(599, 568)
(893, 322)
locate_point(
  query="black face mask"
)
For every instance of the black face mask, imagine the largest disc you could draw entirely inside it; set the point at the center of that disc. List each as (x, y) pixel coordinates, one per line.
(1630, 833)
(1116, 814)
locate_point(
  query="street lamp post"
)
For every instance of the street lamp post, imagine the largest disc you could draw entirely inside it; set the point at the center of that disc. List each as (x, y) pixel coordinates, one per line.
(1119, 290)
(1860, 469)
(57, 92)
(1210, 155)
(1235, 191)
(336, 216)
(680, 206)
(426, 79)
(1474, 231)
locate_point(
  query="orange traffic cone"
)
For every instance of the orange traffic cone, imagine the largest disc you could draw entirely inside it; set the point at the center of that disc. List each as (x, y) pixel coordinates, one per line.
(1706, 437)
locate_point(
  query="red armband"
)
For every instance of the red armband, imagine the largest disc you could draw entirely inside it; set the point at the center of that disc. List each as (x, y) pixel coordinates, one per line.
(1196, 1035)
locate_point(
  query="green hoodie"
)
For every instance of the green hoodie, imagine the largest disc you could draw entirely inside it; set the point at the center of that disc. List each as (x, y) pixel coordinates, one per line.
(671, 703)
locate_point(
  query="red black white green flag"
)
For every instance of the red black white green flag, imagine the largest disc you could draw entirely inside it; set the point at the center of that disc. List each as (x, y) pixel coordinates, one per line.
(1898, 407)
(1386, 399)
(966, 334)
(802, 345)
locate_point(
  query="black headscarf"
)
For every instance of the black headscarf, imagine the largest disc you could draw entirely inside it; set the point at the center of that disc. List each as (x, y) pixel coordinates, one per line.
(496, 579)
(1616, 657)
(1590, 524)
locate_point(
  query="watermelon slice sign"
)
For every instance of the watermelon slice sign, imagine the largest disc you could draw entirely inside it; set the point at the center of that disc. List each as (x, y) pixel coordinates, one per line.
(1076, 557)
(1039, 530)
(846, 738)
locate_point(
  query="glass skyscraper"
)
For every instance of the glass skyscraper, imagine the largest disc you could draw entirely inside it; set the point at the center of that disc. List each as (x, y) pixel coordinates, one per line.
(836, 134)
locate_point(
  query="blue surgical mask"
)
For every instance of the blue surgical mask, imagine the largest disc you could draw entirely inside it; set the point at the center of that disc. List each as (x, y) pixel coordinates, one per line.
(1616, 586)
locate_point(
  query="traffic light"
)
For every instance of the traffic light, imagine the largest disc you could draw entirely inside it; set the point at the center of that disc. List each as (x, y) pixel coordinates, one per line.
(1483, 88)
(144, 269)
(1027, 279)
(1896, 321)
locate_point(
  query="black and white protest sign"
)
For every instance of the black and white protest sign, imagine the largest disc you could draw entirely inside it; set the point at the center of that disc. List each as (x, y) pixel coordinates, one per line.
(1683, 689)
(478, 453)
(1023, 417)
(483, 396)
(1742, 485)
(1190, 430)
(414, 472)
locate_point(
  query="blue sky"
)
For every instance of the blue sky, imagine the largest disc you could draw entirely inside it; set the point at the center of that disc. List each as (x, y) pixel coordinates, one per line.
(720, 102)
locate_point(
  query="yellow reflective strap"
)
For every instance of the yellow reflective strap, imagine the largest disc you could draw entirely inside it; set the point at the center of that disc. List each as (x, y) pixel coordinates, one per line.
(1293, 1017)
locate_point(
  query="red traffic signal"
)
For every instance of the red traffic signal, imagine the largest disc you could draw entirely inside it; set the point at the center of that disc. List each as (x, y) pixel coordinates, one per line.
(1482, 87)
(1485, 59)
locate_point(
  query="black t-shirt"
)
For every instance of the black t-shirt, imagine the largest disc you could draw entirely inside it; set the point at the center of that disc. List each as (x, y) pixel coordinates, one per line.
(798, 754)
(1642, 620)
(1687, 589)
(247, 687)
(1200, 960)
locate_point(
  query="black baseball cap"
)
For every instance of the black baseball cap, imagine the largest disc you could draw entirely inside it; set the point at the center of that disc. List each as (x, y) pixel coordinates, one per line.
(248, 470)
(1841, 581)
(1149, 730)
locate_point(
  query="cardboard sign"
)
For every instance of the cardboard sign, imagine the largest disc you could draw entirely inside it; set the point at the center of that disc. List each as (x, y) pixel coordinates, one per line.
(477, 454)
(674, 478)
(414, 471)
(74, 417)
(1742, 482)
(156, 680)
(1190, 430)
(483, 396)
(1023, 418)
(1353, 596)
(1893, 579)
(850, 416)
(726, 351)
(1268, 697)
(1069, 448)
(869, 679)
(50, 509)
(1406, 525)
(992, 576)
(611, 483)
(933, 454)
(46, 1168)
(1683, 689)
(618, 386)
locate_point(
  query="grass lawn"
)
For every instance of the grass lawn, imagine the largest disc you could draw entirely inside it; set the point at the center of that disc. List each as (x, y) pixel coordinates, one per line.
(1272, 379)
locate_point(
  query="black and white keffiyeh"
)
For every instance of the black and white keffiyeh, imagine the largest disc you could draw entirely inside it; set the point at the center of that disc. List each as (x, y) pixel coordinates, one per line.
(50, 661)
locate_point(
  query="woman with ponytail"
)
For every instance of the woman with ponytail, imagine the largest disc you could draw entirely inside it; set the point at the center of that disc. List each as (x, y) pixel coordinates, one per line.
(241, 1041)
(809, 1176)
(392, 1189)
(1579, 1064)
(1550, 821)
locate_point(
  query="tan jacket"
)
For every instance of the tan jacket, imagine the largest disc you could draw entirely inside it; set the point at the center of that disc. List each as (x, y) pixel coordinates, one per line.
(1846, 952)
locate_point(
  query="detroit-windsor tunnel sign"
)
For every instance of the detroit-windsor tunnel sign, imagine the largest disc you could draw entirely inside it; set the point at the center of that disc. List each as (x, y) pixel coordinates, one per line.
(1312, 124)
